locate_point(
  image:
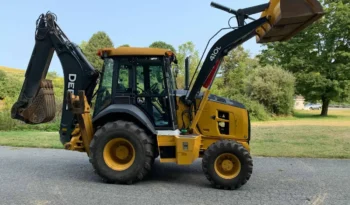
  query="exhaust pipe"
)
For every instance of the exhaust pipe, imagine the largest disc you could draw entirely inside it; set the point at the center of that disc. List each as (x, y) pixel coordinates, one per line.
(187, 73)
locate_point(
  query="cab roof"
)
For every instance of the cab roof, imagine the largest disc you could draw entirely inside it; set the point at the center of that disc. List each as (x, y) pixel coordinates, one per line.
(134, 51)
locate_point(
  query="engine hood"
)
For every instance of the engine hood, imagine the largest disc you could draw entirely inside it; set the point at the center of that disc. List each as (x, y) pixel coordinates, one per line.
(214, 98)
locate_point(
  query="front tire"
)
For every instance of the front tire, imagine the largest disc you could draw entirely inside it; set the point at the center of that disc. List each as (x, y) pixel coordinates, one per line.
(227, 164)
(121, 152)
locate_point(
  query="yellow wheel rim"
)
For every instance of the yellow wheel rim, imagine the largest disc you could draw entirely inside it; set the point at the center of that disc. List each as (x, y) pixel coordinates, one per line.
(227, 166)
(119, 154)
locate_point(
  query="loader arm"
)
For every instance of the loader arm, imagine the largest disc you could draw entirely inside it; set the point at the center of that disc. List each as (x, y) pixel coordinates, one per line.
(280, 20)
(36, 101)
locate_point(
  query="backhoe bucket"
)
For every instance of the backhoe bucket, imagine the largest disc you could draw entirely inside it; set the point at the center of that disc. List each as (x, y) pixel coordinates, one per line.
(287, 18)
(43, 107)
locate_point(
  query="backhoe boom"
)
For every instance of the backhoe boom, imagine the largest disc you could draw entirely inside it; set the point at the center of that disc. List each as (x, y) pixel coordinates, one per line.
(220, 49)
(36, 102)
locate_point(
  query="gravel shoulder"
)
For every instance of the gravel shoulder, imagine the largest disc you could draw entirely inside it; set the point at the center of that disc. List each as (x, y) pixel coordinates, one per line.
(51, 176)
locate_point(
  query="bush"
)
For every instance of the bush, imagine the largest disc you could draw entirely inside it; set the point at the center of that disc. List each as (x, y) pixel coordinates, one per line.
(272, 87)
(9, 86)
(256, 110)
(9, 124)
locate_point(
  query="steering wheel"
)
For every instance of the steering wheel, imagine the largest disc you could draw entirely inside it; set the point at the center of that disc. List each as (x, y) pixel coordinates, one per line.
(154, 88)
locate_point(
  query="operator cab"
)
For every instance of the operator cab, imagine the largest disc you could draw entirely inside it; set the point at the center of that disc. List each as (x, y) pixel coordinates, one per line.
(142, 77)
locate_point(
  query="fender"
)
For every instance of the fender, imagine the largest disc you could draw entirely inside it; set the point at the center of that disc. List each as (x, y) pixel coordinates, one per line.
(126, 109)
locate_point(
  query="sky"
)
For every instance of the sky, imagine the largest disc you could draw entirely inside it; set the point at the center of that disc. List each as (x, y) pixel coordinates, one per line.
(134, 22)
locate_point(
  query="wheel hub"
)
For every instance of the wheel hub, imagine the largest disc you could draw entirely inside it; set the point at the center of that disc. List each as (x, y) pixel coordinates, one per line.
(122, 152)
(227, 166)
(119, 154)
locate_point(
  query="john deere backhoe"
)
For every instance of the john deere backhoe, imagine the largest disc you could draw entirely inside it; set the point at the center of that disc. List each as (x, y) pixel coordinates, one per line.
(139, 114)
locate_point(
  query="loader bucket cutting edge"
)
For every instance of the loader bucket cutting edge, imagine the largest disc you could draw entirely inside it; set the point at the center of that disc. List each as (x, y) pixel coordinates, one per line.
(287, 18)
(43, 107)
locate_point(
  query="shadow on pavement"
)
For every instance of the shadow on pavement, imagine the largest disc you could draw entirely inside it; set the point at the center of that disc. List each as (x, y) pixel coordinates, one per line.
(81, 170)
(178, 174)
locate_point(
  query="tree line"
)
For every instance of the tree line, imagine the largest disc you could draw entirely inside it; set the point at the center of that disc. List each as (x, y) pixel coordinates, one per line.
(314, 64)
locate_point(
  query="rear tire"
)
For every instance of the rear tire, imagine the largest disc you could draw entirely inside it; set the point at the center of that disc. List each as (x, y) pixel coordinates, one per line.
(121, 152)
(227, 164)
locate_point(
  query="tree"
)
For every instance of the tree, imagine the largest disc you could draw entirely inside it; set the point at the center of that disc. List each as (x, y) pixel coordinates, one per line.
(319, 56)
(125, 45)
(52, 75)
(97, 41)
(272, 87)
(187, 49)
(162, 44)
(83, 45)
(232, 82)
(232, 61)
(235, 68)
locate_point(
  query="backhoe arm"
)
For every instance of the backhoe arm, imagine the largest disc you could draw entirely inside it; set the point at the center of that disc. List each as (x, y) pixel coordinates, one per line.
(36, 102)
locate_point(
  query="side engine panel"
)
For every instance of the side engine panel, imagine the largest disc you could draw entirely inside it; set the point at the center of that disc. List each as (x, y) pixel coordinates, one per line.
(224, 120)
(220, 118)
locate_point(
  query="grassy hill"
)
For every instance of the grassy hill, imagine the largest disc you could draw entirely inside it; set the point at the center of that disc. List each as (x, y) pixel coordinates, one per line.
(11, 81)
(13, 73)
(12, 70)
(15, 77)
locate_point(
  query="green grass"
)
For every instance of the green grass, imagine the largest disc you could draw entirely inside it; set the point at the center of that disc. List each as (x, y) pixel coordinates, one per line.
(271, 141)
(301, 141)
(304, 135)
(30, 139)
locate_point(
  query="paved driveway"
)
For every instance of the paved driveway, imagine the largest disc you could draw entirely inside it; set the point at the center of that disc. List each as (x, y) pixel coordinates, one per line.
(45, 176)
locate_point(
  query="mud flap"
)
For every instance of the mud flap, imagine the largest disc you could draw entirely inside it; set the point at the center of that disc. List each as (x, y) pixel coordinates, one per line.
(287, 18)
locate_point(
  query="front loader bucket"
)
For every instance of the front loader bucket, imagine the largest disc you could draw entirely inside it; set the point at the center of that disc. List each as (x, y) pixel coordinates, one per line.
(287, 18)
(43, 107)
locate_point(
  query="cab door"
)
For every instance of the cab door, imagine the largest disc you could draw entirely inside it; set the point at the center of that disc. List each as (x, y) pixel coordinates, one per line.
(124, 93)
(152, 93)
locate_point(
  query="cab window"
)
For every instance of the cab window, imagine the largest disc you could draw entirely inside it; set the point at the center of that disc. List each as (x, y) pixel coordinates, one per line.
(123, 82)
(104, 92)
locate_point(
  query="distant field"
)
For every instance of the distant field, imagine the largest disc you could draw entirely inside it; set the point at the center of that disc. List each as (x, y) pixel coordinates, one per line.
(12, 70)
(312, 117)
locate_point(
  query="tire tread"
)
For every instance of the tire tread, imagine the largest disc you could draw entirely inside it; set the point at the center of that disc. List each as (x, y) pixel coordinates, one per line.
(145, 140)
(216, 149)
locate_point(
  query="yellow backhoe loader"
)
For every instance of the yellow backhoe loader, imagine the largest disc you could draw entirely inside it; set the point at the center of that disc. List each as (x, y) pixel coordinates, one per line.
(139, 114)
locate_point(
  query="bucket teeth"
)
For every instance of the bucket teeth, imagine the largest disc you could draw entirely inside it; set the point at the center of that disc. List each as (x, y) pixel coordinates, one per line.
(286, 18)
